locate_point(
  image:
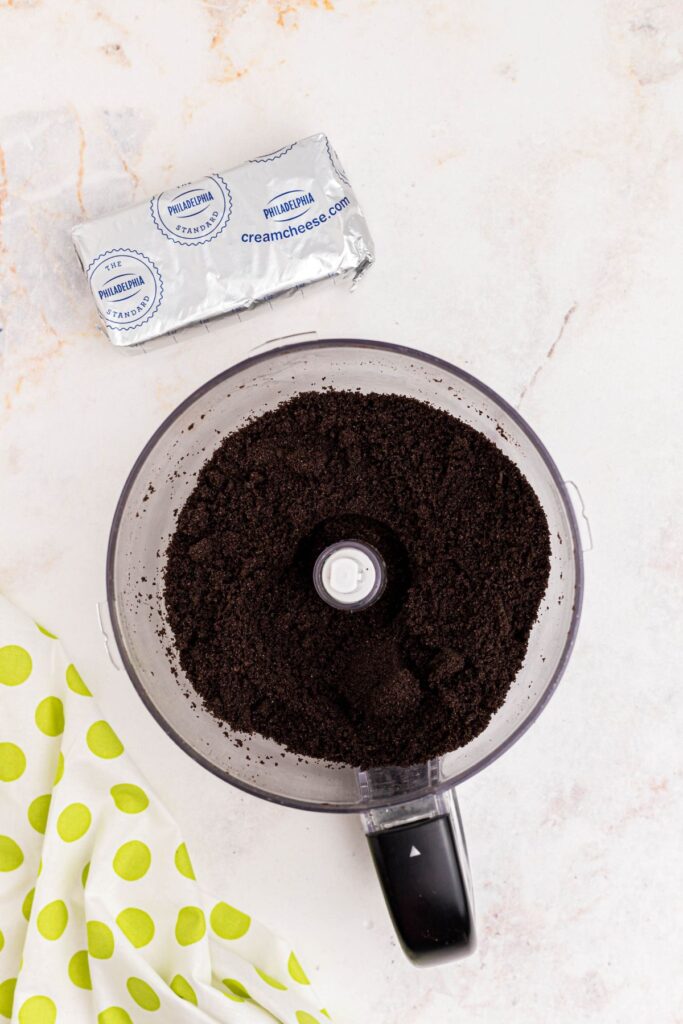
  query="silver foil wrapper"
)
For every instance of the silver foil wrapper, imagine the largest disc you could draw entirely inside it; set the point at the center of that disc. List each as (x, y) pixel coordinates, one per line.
(225, 243)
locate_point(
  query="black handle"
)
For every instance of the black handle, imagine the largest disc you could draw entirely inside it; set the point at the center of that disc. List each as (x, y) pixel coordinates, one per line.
(426, 890)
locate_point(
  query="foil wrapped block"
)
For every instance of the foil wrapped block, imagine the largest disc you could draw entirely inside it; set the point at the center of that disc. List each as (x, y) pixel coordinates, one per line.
(225, 243)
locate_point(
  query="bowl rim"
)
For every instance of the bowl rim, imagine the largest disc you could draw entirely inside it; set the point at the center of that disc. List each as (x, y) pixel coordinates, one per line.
(438, 363)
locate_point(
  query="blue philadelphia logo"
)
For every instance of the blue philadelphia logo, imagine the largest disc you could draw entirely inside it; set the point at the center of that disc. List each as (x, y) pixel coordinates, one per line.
(289, 205)
(193, 214)
(127, 287)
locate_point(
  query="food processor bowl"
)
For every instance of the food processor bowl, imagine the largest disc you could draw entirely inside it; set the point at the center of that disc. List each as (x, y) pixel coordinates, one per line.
(404, 810)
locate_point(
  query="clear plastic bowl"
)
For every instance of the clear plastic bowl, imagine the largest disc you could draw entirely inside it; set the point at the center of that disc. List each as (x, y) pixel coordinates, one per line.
(144, 522)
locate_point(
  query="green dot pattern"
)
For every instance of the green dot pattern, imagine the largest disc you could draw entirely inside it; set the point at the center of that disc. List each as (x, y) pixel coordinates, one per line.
(12, 762)
(132, 860)
(148, 924)
(52, 920)
(38, 811)
(73, 822)
(136, 925)
(129, 798)
(228, 922)
(143, 994)
(114, 1015)
(296, 971)
(183, 863)
(190, 926)
(269, 980)
(11, 856)
(183, 989)
(100, 940)
(7, 996)
(75, 683)
(236, 990)
(46, 632)
(50, 716)
(103, 741)
(38, 1010)
(15, 665)
(79, 970)
(27, 905)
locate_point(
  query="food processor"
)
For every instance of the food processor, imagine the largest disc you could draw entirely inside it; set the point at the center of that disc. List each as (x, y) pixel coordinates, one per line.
(410, 815)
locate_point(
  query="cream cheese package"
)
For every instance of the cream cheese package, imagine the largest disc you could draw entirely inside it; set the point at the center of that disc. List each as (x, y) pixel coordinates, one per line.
(225, 243)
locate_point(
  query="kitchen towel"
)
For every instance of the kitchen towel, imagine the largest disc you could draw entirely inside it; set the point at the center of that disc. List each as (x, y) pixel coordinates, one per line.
(101, 917)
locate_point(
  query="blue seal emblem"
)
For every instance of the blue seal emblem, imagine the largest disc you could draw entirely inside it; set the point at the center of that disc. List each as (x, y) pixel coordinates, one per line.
(193, 214)
(289, 205)
(127, 287)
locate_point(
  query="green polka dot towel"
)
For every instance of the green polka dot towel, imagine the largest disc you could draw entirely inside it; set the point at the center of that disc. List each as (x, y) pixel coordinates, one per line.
(101, 917)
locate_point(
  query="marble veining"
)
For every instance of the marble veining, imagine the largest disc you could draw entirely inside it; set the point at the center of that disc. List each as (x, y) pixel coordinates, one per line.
(521, 170)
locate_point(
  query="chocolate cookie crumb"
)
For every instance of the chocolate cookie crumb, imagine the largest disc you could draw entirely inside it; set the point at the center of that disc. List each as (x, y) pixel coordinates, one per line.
(421, 672)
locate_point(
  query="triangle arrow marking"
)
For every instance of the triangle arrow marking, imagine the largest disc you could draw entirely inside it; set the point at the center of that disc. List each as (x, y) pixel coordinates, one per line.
(414, 852)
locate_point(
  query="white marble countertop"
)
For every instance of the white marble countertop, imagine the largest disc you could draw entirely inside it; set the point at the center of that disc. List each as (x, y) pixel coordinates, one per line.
(521, 169)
